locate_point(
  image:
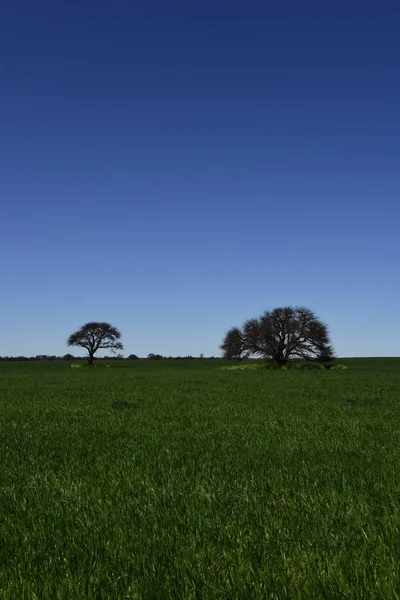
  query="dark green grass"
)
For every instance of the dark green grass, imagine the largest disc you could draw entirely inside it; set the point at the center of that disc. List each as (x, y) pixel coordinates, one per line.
(174, 479)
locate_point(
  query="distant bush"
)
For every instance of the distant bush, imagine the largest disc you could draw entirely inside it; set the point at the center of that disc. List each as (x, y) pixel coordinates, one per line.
(291, 366)
(91, 366)
(248, 367)
(133, 357)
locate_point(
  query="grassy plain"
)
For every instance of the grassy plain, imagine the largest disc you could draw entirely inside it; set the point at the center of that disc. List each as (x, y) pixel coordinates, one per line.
(174, 479)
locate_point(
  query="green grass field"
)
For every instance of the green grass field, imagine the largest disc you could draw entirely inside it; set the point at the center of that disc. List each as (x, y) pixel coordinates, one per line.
(174, 479)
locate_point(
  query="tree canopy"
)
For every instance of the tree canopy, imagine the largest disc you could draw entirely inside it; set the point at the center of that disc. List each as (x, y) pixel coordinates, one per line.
(280, 335)
(96, 336)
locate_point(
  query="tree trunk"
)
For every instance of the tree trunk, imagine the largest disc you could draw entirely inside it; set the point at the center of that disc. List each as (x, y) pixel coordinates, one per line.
(280, 359)
(90, 361)
(279, 356)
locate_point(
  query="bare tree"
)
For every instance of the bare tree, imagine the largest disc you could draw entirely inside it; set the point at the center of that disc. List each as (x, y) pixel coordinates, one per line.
(96, 336)
(280, 335)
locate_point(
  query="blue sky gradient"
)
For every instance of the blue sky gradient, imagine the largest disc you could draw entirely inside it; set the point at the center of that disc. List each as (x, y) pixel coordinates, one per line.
(176, 167)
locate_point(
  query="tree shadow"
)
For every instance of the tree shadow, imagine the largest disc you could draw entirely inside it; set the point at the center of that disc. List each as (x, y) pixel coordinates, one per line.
(122, 404)
(361, 401)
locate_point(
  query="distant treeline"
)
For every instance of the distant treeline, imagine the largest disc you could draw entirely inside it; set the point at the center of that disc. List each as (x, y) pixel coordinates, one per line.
(52, 358)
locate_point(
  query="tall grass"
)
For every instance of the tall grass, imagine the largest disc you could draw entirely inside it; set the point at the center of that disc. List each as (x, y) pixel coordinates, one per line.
(179, 480)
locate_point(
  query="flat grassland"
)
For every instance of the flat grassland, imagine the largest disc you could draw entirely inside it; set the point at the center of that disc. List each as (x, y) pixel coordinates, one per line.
(176, 479)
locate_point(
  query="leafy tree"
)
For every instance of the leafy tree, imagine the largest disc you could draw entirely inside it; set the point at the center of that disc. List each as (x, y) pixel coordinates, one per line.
(280, 335)
(152, 356)
(133, 357)
(233, 345)
(96, 336)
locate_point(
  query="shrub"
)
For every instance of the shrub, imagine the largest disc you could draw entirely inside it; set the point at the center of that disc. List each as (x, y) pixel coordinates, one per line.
(338, 367)
(249, 367)
(308, 366)
(311, 366)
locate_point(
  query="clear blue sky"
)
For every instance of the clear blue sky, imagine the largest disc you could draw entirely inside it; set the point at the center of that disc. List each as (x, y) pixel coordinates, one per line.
(177, 167)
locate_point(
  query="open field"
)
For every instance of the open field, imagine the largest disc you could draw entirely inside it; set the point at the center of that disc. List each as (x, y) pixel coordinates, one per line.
(174, 479)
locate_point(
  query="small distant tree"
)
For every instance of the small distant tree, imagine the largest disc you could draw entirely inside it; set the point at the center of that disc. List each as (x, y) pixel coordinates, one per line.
(133, 357)
(280, 335)
(96, 336)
